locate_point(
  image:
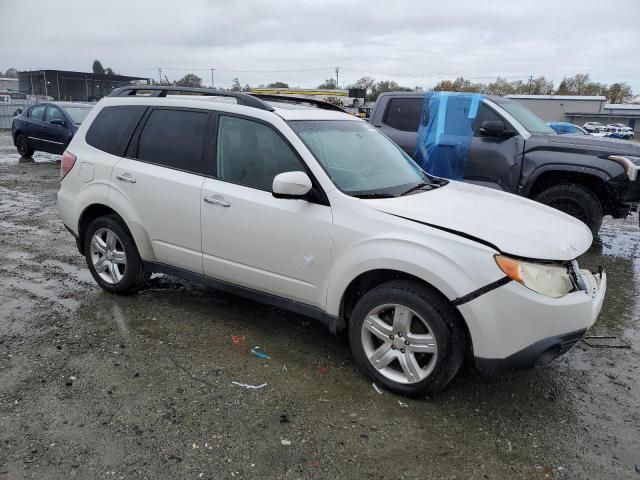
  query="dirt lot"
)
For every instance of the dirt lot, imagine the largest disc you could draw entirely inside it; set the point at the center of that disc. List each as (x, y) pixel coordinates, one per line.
(97, 386)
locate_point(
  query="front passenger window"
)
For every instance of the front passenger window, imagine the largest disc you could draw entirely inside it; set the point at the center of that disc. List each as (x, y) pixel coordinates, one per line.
(252, 153)
(53, 113)
(485, 113)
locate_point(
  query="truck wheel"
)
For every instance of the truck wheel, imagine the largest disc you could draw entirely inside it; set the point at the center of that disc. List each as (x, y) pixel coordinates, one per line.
(407, 338)
(577, 201)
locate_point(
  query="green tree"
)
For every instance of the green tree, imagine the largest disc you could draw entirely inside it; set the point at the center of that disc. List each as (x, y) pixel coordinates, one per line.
(189, 80)
(97, 67)
(386, 86)
(367, 83)
(108, 71)
(278, 85)
(11, 73)
(460, 84)
(246, 88)
(541, 86)
(580, 84)
(619, 92)
(329, 83)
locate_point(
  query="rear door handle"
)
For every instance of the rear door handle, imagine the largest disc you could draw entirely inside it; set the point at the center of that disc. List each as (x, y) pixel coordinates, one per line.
(126, 177)
(216, 200)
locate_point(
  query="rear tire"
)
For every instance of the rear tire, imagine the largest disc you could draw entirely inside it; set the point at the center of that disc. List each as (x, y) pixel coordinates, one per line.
(22, 145)
(575, 200)
(112, 256)
(407, 338)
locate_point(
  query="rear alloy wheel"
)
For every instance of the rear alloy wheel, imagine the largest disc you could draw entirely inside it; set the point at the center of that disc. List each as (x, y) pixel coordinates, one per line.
(22, 145)
(575, 200)
(108, 256)
(112, 256)
(407, 338)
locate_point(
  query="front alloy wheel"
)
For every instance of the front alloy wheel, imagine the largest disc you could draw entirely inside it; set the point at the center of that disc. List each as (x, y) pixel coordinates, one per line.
(399, 343)
(108, 256)
(407, 337)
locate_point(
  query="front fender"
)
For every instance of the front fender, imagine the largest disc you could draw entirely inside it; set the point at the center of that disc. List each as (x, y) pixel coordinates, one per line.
(446, 267)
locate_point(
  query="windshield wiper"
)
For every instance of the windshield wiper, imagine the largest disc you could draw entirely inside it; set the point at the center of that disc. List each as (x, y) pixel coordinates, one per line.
(374, 195)
(416, 187)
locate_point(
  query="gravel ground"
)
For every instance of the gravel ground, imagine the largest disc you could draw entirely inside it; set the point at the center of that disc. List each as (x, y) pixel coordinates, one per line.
(97, 386)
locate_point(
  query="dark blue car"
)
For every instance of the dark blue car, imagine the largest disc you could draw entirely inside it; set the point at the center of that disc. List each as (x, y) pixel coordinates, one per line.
(47, 127)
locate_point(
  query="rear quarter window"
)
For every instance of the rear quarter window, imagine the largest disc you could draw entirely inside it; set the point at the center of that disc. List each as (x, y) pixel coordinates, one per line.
(404, 113)
(112, 128)
(175, 139)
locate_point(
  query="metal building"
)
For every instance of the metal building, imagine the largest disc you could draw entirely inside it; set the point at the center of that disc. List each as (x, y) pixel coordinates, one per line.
(581, 109)
(72, 86)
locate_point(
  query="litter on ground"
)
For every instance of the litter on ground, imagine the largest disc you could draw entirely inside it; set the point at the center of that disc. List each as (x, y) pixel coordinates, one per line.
(249, 387)
(256, 352)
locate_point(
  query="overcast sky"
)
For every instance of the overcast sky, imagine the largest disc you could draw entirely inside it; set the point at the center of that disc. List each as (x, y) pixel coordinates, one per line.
(301, 42)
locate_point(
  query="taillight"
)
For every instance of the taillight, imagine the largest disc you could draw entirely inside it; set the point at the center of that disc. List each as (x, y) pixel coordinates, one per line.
(68, 161)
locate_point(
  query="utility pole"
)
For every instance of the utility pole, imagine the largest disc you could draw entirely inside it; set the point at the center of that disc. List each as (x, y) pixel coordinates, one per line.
(212, 82)
(530, 80)
(337, 76)
(160, 75)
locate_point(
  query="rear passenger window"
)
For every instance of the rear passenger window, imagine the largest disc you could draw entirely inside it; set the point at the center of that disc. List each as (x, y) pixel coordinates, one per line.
(37, 112)
(174, 139)
(113, 127)
(404, 113)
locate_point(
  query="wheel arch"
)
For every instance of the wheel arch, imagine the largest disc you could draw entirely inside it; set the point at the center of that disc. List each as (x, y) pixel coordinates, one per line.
(591, 179)
(96, 210)
(370, 279)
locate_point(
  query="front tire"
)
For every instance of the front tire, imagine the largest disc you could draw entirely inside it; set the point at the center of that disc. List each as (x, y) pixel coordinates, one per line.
(22, 145)
(407, 338)
(577, 201)
(112, 256)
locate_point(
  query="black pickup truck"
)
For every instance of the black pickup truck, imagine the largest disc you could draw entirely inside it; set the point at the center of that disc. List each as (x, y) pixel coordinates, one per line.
(511, 149)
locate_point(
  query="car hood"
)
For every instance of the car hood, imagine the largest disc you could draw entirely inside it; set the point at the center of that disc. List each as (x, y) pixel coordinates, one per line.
(595, 145)
(511, 224)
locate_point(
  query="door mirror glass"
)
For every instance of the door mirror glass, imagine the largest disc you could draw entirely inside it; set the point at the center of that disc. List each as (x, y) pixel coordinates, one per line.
(291, 185)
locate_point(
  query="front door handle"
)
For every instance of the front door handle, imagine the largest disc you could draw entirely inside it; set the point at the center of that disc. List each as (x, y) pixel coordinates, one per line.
(126, 177)
(216, 200)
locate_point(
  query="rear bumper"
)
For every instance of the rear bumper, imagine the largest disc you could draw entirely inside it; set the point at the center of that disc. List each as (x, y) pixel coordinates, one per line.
(513, 327)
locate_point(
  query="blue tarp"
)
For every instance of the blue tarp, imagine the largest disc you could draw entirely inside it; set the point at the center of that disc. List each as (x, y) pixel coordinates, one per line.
(445, 133)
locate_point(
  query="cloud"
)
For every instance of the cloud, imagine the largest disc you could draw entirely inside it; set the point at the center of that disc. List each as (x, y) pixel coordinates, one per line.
(412, 42)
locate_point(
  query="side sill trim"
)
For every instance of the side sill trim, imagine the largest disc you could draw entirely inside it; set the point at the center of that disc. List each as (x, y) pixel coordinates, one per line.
(481, 291)
(334, 324)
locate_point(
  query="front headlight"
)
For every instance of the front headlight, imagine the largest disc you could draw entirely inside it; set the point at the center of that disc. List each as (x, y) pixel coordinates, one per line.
(552, 280)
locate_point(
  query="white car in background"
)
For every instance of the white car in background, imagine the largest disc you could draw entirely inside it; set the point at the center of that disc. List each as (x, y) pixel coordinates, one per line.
(594, 127)
(315, 211)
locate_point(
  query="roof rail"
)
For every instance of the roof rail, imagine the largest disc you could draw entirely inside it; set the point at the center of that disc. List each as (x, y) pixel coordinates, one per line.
(290, 99)
(162, 91)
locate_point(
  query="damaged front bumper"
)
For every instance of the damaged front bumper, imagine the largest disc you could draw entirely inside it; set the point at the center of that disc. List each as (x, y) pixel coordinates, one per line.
(514, 328)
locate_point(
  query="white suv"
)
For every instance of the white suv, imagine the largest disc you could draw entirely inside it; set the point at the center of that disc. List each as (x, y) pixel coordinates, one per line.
(314, 210)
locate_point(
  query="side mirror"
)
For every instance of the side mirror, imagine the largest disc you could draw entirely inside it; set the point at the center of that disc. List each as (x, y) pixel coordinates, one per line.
(57, 122)
(291, 185)
(492, 128)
